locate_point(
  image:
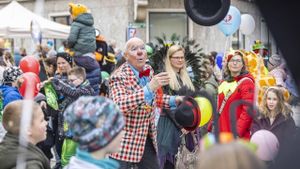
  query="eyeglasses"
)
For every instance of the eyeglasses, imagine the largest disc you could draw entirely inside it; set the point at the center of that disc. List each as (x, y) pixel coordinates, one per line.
(235, 61)
(177, 58)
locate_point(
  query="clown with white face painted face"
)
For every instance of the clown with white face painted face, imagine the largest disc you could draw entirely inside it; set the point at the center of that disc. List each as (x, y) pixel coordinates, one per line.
(136, 53)
(134, 87)
(136, 56)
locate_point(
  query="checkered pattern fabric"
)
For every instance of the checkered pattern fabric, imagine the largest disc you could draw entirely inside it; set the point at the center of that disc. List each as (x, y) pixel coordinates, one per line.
(139, 121)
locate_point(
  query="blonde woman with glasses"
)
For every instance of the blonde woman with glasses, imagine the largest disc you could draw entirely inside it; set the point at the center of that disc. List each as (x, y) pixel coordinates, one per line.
(169, 131)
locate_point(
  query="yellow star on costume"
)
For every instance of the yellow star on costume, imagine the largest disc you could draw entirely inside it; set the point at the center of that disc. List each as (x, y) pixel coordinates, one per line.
(225, 87)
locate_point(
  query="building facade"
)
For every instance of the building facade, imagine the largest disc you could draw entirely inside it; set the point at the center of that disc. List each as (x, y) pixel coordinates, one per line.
(121, 19)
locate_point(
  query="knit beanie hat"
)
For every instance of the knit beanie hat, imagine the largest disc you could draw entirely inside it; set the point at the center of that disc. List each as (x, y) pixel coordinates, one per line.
(77, 9)
(94, 122)
(65, 56)
(11, 74)
(275, 60)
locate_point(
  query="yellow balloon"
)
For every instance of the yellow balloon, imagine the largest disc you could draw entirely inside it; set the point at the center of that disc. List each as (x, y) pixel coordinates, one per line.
(205, 110)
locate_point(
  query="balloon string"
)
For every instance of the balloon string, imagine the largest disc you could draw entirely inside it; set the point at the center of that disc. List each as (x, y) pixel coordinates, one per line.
(25, 124)
(27, 106)
(226, 43)
(224, 56)
(227, 40)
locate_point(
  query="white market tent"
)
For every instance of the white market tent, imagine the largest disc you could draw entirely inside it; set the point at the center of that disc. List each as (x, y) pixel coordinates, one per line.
(15, 22)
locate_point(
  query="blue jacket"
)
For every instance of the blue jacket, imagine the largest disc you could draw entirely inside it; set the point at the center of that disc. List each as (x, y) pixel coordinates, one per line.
(82, 38)
(10, 94)
(17, 58)
(94, 78)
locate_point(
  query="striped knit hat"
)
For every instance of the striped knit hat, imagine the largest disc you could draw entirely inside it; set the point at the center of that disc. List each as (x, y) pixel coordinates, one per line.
(94, 122)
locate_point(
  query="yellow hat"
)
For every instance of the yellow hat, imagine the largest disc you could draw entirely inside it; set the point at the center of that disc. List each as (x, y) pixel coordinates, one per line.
(77, 9)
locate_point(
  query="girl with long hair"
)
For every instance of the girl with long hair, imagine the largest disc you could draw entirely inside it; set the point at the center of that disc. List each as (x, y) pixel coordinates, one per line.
(275, 116)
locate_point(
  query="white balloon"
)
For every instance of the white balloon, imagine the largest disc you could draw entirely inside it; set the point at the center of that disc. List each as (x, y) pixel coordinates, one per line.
(268, 144)
(247, 24)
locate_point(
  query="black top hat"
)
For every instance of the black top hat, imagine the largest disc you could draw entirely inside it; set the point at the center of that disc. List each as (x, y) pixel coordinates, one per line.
(187, 114)
(207, 13)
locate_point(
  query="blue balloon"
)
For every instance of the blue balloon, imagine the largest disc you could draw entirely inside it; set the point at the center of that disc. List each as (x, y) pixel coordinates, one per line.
(231, 22)
(219, 60)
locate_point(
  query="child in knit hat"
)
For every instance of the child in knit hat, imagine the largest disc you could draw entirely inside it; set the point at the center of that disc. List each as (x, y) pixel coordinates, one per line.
(82, 37)
(11, 82)
(96, 124)
(82, 43)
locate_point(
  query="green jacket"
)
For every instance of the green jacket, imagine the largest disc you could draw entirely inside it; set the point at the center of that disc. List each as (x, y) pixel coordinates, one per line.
(9, 150)
(82, 37)
(211, 87)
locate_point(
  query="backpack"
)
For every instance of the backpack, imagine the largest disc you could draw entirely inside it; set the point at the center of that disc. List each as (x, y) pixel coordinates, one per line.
(101, 49)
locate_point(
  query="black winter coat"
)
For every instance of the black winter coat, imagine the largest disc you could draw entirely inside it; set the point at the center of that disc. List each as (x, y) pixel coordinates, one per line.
(284, 129)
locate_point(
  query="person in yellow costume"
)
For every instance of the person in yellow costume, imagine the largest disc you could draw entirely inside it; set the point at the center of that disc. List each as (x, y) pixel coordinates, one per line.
(238, 85)
(255, 65)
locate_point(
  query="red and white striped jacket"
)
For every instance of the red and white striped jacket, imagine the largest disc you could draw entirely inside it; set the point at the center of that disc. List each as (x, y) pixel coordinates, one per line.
(140, 121)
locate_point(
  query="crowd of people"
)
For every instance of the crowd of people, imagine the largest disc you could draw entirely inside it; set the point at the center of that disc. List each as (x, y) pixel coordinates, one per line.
(110, 122)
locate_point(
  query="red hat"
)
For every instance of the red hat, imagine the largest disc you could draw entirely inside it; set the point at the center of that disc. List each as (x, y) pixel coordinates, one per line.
(229, 57)
(187, 114)
(237, 52)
